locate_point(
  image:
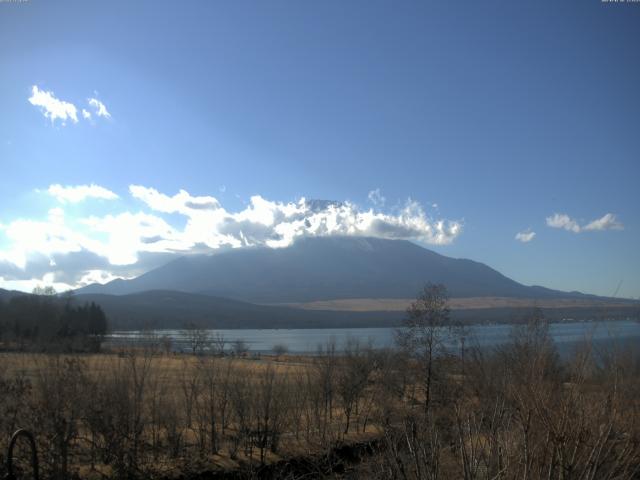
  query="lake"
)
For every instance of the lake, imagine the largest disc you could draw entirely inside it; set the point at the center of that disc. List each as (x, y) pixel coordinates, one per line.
(306, 341)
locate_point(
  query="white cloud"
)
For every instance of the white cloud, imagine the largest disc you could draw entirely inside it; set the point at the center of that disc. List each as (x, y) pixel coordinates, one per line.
(129, 233)
(41, 238)
(100, 108)
(525, 237)
(558, 220)
(56, 216)
(97, 276)
(277, 224)
(376, 198)
(51, 107)
(48, 280)
(181, 202)
(77, 251)
(606, 222)
(78, 193)
(54, 108)
(70, 251)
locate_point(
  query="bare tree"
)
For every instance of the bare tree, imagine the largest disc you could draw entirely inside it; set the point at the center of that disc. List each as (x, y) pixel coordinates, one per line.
(424, 331)
(197, 338)
(224, 388)
(59, 390)
(240, 347)
(270, 410)
(218, 344)
(15, 407)
(299, 400)
(322, 383)
(207, 403)
(190, 387)
(48, 291)
(241, 401)
(352, 378)
(280, 349)
(166, 342)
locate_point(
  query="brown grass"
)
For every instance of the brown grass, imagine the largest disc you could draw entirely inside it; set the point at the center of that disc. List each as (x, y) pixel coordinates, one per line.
(401, 304)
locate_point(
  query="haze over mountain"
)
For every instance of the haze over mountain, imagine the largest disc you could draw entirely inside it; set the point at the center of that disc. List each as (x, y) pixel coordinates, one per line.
(325, 268)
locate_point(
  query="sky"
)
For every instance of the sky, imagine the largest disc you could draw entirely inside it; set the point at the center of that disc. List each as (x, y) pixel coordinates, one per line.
(504, 132)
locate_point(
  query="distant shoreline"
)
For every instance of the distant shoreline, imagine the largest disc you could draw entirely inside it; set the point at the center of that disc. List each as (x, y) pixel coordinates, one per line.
(396, 324)
(456, 303)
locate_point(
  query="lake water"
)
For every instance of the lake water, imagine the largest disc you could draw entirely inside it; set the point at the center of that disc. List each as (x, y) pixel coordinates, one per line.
(305, 341)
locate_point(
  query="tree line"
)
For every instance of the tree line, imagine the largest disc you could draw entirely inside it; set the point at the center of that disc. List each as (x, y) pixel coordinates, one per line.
(45, 321)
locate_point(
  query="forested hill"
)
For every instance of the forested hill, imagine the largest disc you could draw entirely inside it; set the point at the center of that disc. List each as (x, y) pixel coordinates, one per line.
(47, 321)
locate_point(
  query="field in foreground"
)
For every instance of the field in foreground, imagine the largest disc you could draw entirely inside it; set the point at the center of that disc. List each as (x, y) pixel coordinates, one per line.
(513, 413)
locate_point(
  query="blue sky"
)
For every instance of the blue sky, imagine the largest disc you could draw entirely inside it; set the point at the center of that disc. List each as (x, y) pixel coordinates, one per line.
(503, 114)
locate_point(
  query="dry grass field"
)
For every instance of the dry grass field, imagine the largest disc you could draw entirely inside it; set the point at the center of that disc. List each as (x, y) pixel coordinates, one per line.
(163, 415)
(513, 413)
(401, 304)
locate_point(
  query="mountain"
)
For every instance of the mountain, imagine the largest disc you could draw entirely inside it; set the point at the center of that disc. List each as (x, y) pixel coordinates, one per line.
(326, 268)
(6, 295)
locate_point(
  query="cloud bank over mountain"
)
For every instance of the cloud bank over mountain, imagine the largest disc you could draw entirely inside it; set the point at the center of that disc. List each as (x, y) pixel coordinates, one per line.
(69, 250)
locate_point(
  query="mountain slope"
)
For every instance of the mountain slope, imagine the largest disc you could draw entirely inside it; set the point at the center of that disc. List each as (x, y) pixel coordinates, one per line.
(326, 268)
(6, 295)
(172, 309)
